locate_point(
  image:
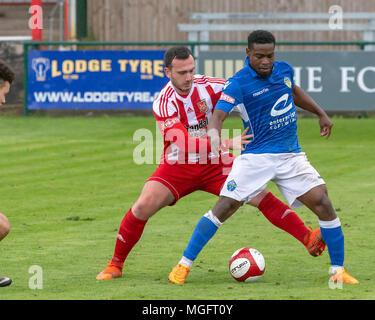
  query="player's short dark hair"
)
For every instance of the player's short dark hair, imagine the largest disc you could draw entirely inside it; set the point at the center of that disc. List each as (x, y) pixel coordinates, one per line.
(260, 37)
(6, 73)
(178, 52)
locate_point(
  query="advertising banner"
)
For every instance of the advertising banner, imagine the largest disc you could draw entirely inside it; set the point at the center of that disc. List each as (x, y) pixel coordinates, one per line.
(111, 80)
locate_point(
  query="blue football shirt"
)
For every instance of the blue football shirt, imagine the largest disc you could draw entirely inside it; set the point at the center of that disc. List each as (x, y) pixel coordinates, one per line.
(266, 106)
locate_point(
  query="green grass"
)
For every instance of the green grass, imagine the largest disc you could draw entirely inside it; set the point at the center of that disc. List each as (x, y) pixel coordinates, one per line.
(66, 183)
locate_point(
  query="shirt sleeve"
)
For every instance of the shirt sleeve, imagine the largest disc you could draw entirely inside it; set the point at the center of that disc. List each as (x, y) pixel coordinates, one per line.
(230, 97)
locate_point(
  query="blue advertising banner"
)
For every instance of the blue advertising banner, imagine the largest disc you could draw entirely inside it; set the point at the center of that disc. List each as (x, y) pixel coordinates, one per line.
(94, 79)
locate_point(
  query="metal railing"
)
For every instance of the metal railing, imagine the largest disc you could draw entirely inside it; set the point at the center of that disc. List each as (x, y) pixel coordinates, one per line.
(301, 21)
(51, 17)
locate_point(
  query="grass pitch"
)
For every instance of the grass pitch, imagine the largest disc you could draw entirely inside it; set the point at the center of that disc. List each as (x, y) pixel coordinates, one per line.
(66, 183)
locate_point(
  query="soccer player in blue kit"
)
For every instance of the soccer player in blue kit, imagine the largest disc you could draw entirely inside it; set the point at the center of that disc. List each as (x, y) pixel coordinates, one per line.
(266, 96)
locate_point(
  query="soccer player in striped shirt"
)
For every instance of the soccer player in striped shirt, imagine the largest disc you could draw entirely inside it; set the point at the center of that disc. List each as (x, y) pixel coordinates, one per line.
(182, 111)
(266, 95)
(6, 78)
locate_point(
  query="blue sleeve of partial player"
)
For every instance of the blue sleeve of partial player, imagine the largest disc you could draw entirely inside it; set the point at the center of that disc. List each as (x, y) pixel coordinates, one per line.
(230, 97)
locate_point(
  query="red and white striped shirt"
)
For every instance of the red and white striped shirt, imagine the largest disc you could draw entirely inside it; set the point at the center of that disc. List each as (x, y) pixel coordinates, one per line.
(193, 112)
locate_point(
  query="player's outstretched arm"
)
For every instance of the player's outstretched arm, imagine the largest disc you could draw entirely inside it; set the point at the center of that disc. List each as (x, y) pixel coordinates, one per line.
(214, 128)
(304, 101)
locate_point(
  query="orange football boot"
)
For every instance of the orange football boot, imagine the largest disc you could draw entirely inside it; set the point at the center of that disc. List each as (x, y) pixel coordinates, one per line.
(110, 272)
(342, 276)
(179, 274)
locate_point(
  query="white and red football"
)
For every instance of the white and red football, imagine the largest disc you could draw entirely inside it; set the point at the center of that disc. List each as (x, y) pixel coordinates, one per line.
(247, 265)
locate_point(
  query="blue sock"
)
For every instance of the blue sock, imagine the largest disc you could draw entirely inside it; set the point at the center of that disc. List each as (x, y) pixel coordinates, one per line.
(203, 232)
(334, 238)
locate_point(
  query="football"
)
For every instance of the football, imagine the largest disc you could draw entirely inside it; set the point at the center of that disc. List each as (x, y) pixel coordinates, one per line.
(247, 265)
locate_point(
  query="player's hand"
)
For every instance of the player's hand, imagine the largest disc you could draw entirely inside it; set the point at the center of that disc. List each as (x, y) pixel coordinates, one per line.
(215, 141)
(325, 126)
(237, 143)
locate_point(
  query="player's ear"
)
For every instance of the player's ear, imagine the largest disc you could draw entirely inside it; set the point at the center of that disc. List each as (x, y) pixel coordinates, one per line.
(167, 72)
(248, 52)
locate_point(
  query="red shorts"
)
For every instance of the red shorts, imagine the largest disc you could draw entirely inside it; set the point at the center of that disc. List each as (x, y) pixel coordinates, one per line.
(183, 179)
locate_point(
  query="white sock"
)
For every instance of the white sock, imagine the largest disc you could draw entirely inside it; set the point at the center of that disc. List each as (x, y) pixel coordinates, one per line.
(330, 224)
(213, 218)
(333, 269)
(186, 262)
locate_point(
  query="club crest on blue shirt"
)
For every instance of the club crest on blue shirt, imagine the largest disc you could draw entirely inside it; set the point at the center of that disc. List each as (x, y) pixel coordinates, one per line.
(231, 185)
(288, 82)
